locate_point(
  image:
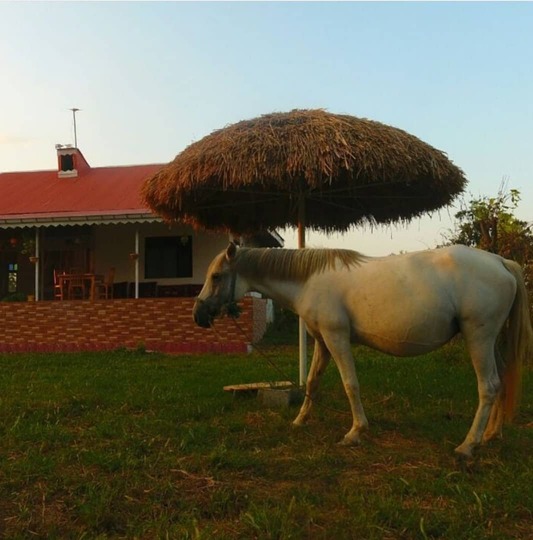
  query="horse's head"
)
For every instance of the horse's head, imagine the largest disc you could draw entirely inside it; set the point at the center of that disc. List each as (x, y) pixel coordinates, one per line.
(220, 290)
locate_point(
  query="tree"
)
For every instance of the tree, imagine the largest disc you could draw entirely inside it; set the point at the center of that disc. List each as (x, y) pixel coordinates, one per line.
(489, 223)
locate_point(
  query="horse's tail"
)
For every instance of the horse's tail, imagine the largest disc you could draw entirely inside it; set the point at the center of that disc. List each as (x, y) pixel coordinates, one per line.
(518, 337)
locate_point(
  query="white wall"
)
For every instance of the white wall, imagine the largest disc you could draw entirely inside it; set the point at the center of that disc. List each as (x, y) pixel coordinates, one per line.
(114, 243)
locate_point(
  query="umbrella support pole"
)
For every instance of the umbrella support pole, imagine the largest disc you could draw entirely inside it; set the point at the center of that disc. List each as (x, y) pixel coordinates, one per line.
(303, 351)
(302, 332)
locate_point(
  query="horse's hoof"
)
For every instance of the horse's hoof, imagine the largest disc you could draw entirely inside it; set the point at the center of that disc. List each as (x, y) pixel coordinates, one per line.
(465, 462)
(299, 423)
(464, 452)
(350, 441)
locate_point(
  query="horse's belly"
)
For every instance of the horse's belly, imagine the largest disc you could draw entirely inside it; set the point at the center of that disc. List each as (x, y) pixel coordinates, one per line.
(405, 334)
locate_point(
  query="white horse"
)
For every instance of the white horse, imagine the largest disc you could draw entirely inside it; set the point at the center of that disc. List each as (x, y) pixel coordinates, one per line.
(404, 305)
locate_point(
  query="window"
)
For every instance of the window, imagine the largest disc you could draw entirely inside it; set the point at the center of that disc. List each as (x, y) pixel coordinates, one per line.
(12, 270)
(168, 257)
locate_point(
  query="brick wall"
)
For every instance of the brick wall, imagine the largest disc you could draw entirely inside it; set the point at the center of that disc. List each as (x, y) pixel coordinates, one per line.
(163, 324)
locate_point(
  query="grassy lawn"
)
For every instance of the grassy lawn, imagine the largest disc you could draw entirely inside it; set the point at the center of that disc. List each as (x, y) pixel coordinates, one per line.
(139, 445)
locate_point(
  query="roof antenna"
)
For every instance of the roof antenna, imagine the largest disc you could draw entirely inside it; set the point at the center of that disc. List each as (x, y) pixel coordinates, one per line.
(74, 111)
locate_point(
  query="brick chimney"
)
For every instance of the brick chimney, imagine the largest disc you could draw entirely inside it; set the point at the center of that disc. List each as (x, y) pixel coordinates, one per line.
(70, 161)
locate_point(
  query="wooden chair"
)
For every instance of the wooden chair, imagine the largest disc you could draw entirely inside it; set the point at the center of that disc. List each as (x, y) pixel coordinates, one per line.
(58, 286)
(76, 288)
(104, 289)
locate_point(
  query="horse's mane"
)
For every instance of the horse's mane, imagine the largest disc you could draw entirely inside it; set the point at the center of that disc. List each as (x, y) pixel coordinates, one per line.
(292, 264)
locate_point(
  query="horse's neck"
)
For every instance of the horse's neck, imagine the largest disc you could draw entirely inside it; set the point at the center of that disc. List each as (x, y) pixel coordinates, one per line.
(283, 292)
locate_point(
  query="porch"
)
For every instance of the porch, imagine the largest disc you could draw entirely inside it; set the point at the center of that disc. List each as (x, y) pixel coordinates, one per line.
(148, 259)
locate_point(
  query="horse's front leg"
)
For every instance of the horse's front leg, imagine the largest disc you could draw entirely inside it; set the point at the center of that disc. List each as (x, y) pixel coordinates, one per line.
(338, 343)
(319, 364)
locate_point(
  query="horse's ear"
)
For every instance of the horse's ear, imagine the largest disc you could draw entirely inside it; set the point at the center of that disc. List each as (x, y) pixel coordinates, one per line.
(231, 251)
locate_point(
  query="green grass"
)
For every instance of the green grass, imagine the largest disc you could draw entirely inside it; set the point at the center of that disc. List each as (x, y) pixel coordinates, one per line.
(139, 445)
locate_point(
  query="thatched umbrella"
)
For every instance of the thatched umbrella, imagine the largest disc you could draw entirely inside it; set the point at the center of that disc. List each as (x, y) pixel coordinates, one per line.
(303, 168)
(339, 170)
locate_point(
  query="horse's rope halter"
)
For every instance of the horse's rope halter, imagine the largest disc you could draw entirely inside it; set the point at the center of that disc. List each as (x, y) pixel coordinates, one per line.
(231, 308)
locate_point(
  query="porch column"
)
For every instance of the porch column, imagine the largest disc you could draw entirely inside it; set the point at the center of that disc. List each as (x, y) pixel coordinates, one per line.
(37, 263)
(137, 263)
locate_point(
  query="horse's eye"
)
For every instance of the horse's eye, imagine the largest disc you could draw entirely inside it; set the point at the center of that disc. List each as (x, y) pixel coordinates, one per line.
(216, 277)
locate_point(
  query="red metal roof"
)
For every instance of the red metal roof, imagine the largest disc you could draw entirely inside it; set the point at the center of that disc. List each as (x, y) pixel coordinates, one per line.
(96, 191)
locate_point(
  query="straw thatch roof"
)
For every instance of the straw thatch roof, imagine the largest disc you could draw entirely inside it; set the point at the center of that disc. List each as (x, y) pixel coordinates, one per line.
(250, 175)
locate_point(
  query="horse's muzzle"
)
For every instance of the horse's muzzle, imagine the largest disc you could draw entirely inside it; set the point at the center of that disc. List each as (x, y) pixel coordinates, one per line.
(204, 322)
(203, 314)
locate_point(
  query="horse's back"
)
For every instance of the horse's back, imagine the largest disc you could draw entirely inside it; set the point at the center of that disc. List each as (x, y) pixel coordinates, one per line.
(413, 303)
(456, 275)
(477, 279)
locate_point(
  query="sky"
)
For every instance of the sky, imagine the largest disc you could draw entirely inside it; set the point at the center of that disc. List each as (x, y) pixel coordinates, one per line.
(150, 78)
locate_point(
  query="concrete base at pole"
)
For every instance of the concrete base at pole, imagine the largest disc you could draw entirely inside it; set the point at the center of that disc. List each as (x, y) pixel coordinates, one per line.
(279, 397)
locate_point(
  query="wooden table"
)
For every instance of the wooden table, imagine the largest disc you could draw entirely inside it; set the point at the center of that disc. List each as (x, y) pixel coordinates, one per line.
(90, 279)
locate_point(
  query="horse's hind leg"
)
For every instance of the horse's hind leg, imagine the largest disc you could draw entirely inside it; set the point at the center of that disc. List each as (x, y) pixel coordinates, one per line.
(488, 382)
(495, 424)
(319, 363)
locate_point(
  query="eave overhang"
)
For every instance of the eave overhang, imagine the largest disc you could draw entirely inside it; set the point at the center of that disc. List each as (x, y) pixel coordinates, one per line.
(73, 218)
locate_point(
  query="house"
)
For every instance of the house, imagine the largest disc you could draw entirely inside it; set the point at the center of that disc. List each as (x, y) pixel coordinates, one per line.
(91, 220)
